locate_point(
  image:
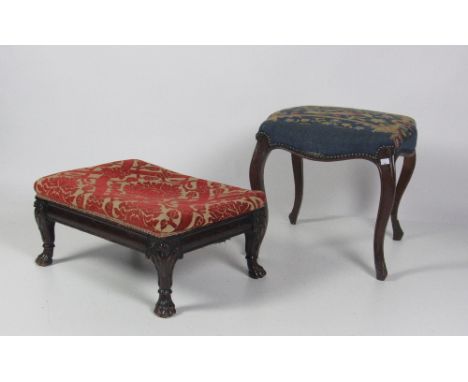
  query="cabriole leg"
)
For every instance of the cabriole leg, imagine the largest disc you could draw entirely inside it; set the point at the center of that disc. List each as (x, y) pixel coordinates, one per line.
(46, 227)
(257, 165)
(387, 195)
(409, 163)
(299, 186)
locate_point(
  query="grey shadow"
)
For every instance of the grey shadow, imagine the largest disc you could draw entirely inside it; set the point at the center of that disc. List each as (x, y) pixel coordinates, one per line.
(340, 245)
(112, 254)
(118, 259)
(355, 259)
(365, 262)
(429, 268)
(320, 219)
(408, 234)
(214, 298)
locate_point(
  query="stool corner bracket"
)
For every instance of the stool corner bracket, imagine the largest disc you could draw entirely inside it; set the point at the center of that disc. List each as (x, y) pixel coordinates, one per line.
(162, 247)
(383, 153)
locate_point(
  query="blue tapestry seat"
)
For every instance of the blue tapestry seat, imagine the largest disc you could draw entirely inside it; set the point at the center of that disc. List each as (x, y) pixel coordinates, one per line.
(335, 132)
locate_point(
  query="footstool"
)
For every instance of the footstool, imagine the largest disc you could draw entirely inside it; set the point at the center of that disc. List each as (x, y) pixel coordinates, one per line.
(333, 133)
(153, 210)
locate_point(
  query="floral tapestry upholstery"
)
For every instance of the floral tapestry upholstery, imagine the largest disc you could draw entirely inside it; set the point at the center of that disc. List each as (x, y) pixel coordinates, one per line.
(147, 197)
(334, 132)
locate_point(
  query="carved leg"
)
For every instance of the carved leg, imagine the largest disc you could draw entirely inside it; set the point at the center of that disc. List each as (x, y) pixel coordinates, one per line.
(257, 165)
(253, 240)
(299, 186)
(46, 227)
(409, 164)
(164, 256)
(387, 195)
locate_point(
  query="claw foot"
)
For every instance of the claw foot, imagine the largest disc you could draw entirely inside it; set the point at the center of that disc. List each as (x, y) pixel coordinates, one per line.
(44, 260)
(256, 271)
(164, 307)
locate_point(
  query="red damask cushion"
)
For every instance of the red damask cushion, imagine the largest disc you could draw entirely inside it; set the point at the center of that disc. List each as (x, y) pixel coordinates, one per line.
(147, 197)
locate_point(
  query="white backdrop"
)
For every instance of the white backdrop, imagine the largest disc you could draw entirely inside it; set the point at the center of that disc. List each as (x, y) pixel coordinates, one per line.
(196, 110)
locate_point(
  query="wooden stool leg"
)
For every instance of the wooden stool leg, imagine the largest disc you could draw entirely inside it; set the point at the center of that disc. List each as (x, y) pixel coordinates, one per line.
(387, 196)
(409, 163)
(253, 240)
(298, 171)
(257, 165)
(47, 229)
(164, 257)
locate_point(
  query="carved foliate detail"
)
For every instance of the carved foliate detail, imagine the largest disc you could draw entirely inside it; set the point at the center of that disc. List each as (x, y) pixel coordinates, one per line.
(163, 248)
(164, 254)
(259, 221)
(40, 206)
(46, 227)
(159, 247)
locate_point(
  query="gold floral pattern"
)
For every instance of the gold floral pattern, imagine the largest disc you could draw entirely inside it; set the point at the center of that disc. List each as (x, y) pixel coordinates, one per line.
(147, 197)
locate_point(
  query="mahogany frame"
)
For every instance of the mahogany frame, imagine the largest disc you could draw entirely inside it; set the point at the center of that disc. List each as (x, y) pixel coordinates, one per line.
(163, 252)
(390, 195)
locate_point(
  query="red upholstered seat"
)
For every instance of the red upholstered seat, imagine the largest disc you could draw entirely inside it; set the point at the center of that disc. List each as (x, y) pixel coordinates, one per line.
(147, 197)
